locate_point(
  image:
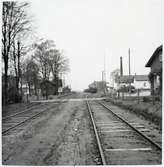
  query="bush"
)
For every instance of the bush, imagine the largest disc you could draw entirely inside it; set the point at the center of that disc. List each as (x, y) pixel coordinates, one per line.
(127, 88)
(146, 99)
(91, 90)
(14, 96)
(50, 97)
(157, 98)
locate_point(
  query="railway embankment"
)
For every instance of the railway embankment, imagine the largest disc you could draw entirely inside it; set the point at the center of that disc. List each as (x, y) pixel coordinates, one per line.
(147, 110)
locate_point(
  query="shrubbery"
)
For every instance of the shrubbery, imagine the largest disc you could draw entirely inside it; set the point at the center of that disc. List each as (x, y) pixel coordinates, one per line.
(14, 96)
(91, 90)
(127, 88)
(146, 99)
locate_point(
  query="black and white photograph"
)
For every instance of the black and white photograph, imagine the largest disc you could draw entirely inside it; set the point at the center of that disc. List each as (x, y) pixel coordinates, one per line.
(81, 82)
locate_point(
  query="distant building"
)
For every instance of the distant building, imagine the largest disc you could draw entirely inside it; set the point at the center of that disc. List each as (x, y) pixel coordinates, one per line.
(66, 89)
(155, 75)
(47, 87)
(141, 82)
(123, 81)
(138, 81)
(99, 85)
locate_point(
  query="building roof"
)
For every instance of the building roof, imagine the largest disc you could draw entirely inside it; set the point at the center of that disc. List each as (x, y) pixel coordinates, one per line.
(125, 79)
(156, 53)
(141, 77)
(47, 82)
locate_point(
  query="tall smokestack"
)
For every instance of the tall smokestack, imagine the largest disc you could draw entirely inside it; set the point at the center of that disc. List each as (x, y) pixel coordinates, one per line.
(121, 68)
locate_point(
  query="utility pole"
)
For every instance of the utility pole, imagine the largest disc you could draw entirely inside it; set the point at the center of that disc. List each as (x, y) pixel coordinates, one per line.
(103, 82)
(129, 75)
(104, 77)
(121, 67)
(121, 74)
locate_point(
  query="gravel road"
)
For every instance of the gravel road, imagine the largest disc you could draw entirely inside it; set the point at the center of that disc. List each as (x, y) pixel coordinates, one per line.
(61, 136)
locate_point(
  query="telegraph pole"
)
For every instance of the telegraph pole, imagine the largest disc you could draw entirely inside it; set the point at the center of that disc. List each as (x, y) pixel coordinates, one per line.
(121, 68)
(104, 77)
(129, 74)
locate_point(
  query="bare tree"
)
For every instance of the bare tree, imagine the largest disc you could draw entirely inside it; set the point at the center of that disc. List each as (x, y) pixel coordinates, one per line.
(31, 74)
(50, 61)
(58, 64)
(14, 24)
(42, 57)
(16, 62)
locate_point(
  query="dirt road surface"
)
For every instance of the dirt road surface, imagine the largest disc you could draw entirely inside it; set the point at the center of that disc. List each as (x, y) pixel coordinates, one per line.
(61, 136)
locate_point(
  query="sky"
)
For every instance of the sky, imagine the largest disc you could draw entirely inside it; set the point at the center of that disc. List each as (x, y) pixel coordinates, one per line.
(91, 32)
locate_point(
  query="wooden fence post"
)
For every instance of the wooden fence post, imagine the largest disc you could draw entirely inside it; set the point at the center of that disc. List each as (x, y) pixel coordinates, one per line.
(122, 95)
(138, 95)
(118, 94)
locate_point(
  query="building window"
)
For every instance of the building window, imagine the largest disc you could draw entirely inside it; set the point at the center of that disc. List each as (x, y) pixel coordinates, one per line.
(144, 84)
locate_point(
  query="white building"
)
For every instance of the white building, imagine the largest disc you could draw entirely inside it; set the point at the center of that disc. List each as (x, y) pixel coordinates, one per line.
(141, 82)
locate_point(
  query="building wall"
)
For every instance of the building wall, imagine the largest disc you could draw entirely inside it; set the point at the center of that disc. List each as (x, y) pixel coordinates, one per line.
(156, 64)
(124, 84)
(141, 84)
(99, 85)
(156, 82)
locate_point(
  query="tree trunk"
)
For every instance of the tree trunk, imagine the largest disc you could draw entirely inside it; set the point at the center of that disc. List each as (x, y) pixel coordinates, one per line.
(6, 83)
(18, 77)
(17, 84)
(56, 84)
(35, 82)
(5, 57)
(35, 88)
(46, 92)
(21, 90)
(29, 88)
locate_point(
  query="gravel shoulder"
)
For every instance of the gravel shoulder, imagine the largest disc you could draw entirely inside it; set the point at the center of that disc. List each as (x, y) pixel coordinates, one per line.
(154, 130)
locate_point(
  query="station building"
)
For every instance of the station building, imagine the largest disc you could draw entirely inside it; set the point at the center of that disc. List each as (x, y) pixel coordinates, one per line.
(155, 75)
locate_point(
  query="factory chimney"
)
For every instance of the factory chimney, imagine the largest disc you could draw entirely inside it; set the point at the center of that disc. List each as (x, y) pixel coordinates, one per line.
(121, 68)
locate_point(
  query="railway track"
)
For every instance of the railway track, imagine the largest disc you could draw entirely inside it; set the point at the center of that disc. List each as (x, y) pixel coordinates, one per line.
(121, 142)
(18, 119)
(16, 112)
(28, 106)
(65, 95)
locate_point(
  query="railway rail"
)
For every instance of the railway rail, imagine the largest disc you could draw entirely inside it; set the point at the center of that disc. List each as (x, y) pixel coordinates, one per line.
(8, 122)
(19, 119)
(28, 106)
(16, 112)
(119, 141)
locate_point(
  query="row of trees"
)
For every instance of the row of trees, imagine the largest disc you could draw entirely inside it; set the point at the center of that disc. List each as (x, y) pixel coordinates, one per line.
(15, 25)
(19, 67)
(46, 64)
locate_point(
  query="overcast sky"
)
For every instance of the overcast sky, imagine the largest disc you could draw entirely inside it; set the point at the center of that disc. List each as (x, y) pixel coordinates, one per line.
(88, 30)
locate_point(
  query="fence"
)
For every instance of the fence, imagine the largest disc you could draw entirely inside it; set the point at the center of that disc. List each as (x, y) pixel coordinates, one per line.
(139, 95)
